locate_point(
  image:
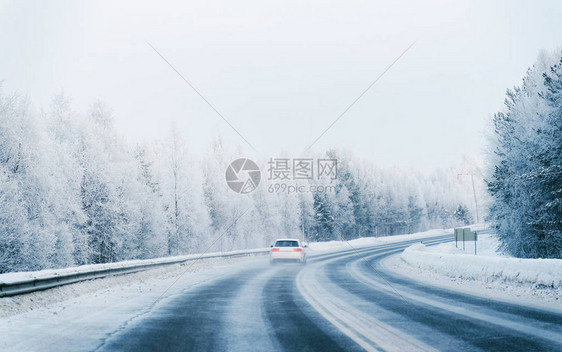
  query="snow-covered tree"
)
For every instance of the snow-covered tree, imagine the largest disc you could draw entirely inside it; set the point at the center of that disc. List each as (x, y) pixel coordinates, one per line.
(73, 191)
(463, 215)
(525, 178)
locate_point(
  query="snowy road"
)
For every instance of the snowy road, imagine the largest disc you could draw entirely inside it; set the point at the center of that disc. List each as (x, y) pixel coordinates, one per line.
(339, 301)
(345, 299)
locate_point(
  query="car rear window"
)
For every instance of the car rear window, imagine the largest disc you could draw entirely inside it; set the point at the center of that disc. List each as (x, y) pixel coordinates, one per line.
(286, 244)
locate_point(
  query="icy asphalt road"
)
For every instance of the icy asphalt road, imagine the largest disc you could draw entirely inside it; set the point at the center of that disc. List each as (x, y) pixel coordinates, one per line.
(340, 301)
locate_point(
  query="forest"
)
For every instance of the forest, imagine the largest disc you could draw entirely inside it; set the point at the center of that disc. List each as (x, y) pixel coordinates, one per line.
(73, 191)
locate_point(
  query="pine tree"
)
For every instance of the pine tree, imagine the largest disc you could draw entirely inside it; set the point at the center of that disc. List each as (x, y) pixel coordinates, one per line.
(526, 166)
(462, 215)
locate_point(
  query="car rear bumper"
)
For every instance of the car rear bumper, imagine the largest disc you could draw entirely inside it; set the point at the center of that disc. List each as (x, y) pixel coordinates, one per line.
(285, 261)
(287, 257)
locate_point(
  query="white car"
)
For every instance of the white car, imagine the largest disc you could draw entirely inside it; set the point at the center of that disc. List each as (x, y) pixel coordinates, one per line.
(287, 250)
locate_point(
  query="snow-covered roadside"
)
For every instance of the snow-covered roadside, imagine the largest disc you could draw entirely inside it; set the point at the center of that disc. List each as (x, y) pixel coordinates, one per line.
(78, 316)
(535, 272)
(100, 306)
(27, 275)
(144, 281)
(491, 274)
(370, 241)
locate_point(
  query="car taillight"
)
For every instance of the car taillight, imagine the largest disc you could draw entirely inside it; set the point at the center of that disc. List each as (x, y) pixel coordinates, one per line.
(297, 250)
(275, 249)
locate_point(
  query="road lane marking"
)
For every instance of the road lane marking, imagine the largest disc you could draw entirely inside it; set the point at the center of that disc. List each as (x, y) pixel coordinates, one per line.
(526, 329)
(365, 330)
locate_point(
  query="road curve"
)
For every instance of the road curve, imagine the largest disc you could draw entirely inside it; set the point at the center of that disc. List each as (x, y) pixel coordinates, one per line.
(340, 301)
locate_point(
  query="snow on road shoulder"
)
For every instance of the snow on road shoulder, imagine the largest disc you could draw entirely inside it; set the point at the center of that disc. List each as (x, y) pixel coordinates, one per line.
(447, 260)
(79, 316)
(488, 273)
(371, 241)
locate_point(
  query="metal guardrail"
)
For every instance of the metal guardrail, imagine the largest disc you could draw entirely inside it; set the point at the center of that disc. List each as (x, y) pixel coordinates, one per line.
(39, 284)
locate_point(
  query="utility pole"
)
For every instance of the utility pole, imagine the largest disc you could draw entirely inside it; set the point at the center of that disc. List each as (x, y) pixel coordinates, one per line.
(474, 193)
(302, 226)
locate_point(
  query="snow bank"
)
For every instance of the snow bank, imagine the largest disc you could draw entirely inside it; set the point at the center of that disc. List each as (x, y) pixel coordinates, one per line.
(369, 241)
(449, 261)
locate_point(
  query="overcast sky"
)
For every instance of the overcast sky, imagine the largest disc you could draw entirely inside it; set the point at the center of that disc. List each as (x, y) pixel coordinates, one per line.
(282, 71)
